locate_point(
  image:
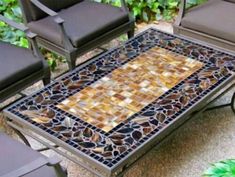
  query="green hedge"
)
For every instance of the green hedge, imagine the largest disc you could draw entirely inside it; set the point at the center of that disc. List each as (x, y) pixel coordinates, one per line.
(225, 168)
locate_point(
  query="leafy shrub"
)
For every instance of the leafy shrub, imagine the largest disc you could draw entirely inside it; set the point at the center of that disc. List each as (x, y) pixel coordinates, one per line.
(224, 168)
(148, 10)
(11, 10)
(191, 3)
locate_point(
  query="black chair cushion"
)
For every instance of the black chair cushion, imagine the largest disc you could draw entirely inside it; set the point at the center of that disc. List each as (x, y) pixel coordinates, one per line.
(83, 22)
(37, 14)
(16, 64)
(14, 155)
(233, 1)
(215, 18)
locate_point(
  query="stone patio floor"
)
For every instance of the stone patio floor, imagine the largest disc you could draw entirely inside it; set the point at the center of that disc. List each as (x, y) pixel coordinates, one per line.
(189, 151)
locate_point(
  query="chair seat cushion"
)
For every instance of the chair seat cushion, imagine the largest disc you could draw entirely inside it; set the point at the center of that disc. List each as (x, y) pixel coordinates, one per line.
(16, 64)
(215, 18)
(15, 155)
(83, 22)
(38, 14)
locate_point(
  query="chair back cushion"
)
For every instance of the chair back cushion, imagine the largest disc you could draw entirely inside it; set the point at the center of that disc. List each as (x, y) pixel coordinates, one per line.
(230, 1)
(219, 25)
(34, 13)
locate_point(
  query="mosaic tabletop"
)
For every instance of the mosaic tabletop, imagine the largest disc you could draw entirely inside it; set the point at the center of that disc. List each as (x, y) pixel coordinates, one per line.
(110, 106)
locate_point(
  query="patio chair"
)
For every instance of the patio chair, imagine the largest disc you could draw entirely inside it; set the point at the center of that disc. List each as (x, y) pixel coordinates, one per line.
(17, 159)
(211, 23)
(20, 67)
(74, 27)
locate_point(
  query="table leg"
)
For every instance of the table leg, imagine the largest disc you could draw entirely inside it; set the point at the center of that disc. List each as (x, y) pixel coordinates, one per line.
(233, 103)
(21, 136)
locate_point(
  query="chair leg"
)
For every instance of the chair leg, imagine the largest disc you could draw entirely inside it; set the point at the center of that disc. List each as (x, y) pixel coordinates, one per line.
(233, 103)
(47, 78)
(131, 33)
(59, 171)
(72, 65)
(21, 136)
(71, 59)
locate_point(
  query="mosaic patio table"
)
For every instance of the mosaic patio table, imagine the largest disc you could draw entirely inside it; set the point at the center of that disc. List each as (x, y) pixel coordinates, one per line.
(112, 109)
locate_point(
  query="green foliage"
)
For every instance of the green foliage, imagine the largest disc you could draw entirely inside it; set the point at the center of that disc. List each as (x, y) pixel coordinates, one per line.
(52, 58)
(191, 3)
(224, 168)
(10, 9)
(148, 10)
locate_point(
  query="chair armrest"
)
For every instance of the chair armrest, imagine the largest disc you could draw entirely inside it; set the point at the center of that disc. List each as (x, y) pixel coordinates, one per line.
(18, 26)
(27, 168)
(58, 20)
(44, 8)
(48, 11)
(55, 162)
(36, 164)
(31, 36)
(181, 12)
(124, 6)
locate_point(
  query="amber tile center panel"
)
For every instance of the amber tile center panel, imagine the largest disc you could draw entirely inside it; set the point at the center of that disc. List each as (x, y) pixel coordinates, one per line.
(128, 89)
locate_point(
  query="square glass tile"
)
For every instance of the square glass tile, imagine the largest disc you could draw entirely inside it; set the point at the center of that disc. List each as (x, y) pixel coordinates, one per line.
(128, 89)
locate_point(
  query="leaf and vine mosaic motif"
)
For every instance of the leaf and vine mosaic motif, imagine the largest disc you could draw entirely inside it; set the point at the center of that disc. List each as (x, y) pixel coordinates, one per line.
(113, 104)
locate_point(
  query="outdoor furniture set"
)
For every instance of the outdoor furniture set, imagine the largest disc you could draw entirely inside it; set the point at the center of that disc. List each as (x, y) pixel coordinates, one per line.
(70, 37)
(110, 111)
